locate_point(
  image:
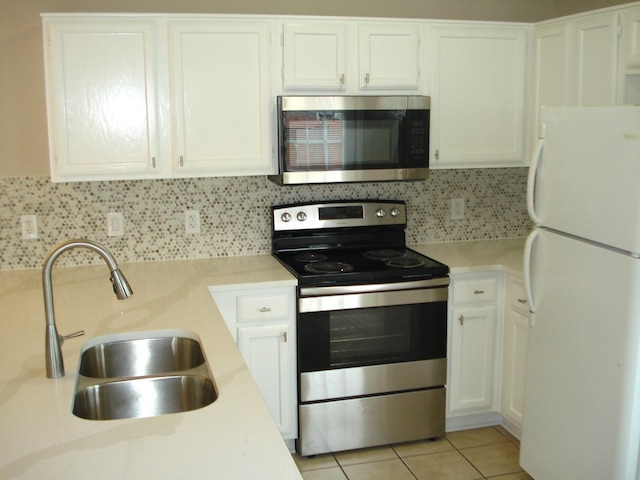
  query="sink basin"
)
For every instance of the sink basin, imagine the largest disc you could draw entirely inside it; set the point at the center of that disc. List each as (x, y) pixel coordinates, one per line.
(144, 397)
(141, 357)
(142, 374)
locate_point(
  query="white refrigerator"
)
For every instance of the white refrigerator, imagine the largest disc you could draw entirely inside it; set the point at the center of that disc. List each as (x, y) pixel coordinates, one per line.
(582, 274)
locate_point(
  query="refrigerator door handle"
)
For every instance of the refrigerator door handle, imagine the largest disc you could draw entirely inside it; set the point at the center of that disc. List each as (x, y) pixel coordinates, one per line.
(528, 251)
(531, 181)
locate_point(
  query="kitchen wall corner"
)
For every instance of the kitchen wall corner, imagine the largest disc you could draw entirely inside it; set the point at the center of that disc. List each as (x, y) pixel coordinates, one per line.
(235, 213)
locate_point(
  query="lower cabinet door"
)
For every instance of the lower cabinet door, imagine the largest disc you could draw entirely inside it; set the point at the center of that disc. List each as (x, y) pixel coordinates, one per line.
(267, 351)
(472, 358)
(516, 330)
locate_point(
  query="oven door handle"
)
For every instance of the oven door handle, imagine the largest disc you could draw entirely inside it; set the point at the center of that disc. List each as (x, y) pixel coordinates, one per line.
(375, 299)
(321, 291)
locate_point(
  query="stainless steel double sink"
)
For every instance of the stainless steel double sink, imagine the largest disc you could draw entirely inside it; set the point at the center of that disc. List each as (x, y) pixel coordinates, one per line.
(144, 374)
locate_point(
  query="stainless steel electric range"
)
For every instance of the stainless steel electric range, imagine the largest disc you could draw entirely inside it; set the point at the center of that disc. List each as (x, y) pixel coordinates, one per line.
(371, 322)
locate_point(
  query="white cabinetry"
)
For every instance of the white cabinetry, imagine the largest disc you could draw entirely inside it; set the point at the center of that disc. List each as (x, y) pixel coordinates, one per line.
(262, 321)
(351, 57)
(629, 84)
(479, 96)
(576, 61)
(102, 109)
(552, 65)
(514, 353)
(314, 56)
(596, 57)
(221, 97)
(473, 346)
(157, 97)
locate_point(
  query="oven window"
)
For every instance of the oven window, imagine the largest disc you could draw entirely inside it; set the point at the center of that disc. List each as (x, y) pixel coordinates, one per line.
(371, 336)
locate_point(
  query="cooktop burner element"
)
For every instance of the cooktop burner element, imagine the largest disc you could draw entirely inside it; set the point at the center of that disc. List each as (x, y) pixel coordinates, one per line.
(346, 243)
(405, 262)
(328, 267)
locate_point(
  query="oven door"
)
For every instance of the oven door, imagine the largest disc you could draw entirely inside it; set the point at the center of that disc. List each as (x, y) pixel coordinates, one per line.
(371, 343)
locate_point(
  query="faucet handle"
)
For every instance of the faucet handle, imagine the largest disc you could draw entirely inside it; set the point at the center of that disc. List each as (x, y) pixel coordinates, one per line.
(71, 335)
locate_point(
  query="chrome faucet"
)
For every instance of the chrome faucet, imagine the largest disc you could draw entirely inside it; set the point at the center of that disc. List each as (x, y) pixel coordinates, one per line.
(53, 353)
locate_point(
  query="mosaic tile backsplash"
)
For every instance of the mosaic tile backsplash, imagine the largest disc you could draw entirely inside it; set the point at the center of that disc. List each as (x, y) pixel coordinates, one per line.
(235, 213)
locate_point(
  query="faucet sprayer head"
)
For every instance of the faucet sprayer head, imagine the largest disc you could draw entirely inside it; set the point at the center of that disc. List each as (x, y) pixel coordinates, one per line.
(121, 287)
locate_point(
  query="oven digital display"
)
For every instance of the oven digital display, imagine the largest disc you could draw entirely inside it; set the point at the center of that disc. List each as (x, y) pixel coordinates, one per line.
(341, 213)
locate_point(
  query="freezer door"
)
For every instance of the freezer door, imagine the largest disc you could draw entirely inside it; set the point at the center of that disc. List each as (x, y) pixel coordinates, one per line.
(582, 387)
(588, 178)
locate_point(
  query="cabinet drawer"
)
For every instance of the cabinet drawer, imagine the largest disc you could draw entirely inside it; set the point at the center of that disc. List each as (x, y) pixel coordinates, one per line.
(263, 307)
(518, 297)
(480, 289)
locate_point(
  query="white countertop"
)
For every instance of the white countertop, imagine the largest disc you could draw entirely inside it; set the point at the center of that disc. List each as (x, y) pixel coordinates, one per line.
(464, 257)
(233, 438)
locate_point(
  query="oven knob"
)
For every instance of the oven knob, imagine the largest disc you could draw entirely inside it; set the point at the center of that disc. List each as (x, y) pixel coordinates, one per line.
(301, 216)
(380, 213)
(395, 212)
(285, 217)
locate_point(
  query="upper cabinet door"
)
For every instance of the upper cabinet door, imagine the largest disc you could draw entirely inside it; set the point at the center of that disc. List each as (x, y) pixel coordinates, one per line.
(220, 97)
(314, 56)
(478, 97)
(596, 59)
(100, 96)
(389, 56)
(632, 36)
(552, 65)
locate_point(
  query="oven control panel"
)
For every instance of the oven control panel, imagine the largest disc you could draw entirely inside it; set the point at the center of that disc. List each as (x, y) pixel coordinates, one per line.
(339, 214)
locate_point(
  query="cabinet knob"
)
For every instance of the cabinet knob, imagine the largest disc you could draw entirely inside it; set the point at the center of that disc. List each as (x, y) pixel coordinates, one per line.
(461, 319)
(264, 310)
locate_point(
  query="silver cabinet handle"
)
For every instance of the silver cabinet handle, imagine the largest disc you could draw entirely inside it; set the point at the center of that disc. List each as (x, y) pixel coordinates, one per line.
(522, 300)
(342, 79)
(461, 319)
(478, 292)
(153, 162)
(366, 78)
(284, 337)
(264, 310)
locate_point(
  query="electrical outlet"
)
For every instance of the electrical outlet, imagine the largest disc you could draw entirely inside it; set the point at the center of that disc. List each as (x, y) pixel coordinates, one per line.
(192, 221)
(457, 208)
(29, 225)
(115, 224)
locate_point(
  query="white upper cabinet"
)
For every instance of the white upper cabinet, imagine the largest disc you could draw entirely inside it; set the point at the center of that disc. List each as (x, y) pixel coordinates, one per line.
(220, 97)
(576, 61)
(552, 65)
(102, 112)
(389, 56)
(158, 97)
(596, 57)
(629, 69)
(350, 57)
(314, 56)
(478, 96)
(631, 32)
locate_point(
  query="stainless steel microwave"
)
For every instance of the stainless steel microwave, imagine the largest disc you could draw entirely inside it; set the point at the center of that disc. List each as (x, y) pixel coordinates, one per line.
(352, 139)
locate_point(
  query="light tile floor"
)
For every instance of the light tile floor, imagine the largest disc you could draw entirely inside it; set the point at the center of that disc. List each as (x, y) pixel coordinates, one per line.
(482, 453)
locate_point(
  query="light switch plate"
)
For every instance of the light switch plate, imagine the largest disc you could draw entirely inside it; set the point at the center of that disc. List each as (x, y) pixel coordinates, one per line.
(115, 224)
(29, 224)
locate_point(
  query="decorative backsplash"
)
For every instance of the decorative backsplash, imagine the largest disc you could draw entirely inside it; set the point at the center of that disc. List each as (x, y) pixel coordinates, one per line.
(235, 213)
